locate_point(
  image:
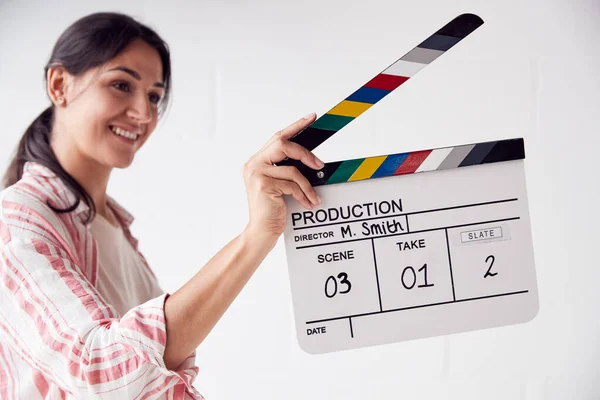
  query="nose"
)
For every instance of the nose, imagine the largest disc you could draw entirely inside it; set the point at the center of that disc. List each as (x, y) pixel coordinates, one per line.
(141, 110)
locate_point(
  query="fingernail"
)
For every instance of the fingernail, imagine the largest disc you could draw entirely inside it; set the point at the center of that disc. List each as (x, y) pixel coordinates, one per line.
(320, 163)
(308, 116)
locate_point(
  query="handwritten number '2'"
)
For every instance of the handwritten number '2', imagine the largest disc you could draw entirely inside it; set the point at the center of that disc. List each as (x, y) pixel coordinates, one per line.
(488, 273)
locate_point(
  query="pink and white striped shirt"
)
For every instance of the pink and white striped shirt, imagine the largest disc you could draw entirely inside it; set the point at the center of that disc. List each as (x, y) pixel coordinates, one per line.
(59, 337)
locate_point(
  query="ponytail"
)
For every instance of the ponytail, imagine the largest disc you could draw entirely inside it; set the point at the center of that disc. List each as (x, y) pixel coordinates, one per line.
(33, 146)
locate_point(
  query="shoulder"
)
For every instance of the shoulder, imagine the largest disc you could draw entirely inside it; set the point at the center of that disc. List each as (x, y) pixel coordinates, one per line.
(25, 207)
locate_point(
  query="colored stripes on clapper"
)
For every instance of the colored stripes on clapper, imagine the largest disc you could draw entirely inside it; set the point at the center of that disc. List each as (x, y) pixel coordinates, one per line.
(417, 161)
(388, 80)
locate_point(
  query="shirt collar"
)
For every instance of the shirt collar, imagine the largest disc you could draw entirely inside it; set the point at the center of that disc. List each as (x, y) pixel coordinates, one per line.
(34, 168)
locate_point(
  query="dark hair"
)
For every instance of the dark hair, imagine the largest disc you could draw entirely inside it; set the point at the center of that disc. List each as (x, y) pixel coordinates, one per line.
(89, 42)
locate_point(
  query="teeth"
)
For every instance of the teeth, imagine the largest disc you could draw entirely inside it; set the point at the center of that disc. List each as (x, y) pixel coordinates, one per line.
(124, 133)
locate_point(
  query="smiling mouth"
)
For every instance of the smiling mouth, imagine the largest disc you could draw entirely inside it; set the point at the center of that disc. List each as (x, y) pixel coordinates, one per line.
(131, 137)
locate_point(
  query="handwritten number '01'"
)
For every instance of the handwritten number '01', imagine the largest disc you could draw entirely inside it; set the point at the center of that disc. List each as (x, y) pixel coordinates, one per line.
(414, 274)
(343, 277)
(488, 273)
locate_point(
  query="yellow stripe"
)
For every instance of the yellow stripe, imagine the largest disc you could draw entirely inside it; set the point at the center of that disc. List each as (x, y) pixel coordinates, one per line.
(350, 108)
(367, 168)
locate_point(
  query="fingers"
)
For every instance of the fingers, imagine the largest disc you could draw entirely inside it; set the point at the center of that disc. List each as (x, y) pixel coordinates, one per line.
(281, 149)
(292, 129)
(293, 189)
(297, 126)
(290, 173)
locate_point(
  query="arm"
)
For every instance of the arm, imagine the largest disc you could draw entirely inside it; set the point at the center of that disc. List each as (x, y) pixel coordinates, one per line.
(193, 310)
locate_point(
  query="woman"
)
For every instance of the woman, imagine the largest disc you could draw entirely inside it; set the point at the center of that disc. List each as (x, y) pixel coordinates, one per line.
(81, 313)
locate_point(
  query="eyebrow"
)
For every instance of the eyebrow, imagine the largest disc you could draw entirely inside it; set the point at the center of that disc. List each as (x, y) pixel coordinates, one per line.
(135, 75)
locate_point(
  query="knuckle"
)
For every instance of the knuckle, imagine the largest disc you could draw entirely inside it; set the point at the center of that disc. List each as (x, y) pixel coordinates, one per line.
(297, 176)
(301, 180)
(298, 191)
(280, 141)
(262, 182)
(290, 170)
(248, 171)
(245, 168)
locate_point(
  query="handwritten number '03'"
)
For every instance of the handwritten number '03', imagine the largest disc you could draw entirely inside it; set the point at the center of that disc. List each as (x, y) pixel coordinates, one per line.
(343, 277)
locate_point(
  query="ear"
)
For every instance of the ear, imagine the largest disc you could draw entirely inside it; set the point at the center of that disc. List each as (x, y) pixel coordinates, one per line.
(59, 82)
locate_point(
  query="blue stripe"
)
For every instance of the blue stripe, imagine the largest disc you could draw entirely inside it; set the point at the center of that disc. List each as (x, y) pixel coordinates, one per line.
(368, 95)
(390, 165)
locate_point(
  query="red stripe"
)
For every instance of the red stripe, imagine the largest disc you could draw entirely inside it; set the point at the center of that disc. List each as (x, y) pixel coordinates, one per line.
(145, 313)
(179, 392)
(108, 374)
(5, 378)
(145, 387)
(386, 82)
(13, 366)
(94, 262)
(151, 332)
(4, 232)
(412, 162)
(40, 383)
(160, 388)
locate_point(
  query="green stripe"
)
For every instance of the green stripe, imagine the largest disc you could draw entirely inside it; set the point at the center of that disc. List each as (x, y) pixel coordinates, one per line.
(345, 171)
(331, 122)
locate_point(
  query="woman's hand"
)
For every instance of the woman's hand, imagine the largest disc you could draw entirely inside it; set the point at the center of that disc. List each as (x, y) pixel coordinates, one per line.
(266, 183)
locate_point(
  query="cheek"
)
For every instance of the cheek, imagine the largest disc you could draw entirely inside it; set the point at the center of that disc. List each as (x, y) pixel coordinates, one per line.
(97, 109)
(92, 124)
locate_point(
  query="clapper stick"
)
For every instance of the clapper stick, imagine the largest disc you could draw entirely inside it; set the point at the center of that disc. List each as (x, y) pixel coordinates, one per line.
(376, 89)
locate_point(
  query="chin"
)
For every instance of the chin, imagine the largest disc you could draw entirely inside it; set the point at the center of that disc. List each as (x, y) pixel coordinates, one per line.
(121, 163)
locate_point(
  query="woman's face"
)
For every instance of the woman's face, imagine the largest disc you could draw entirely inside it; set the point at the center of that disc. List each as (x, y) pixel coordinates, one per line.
(121, 95)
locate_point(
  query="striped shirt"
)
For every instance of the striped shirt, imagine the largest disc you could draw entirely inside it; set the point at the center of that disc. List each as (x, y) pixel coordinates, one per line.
(60, 337)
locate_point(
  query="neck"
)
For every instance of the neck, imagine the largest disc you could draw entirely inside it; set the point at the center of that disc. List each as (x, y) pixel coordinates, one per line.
(90, 174)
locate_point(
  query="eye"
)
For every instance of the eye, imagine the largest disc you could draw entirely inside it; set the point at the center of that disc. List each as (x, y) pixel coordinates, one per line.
(156, 98)
(120, 85)
(124, 87)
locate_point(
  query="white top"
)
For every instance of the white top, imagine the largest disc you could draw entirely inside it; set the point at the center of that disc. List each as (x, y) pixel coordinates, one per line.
(122, 278)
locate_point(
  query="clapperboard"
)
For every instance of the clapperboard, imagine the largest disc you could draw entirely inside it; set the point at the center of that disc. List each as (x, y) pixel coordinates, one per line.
(409, 245)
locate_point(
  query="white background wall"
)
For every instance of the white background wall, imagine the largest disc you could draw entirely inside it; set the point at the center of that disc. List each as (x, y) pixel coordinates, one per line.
(243, 70)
